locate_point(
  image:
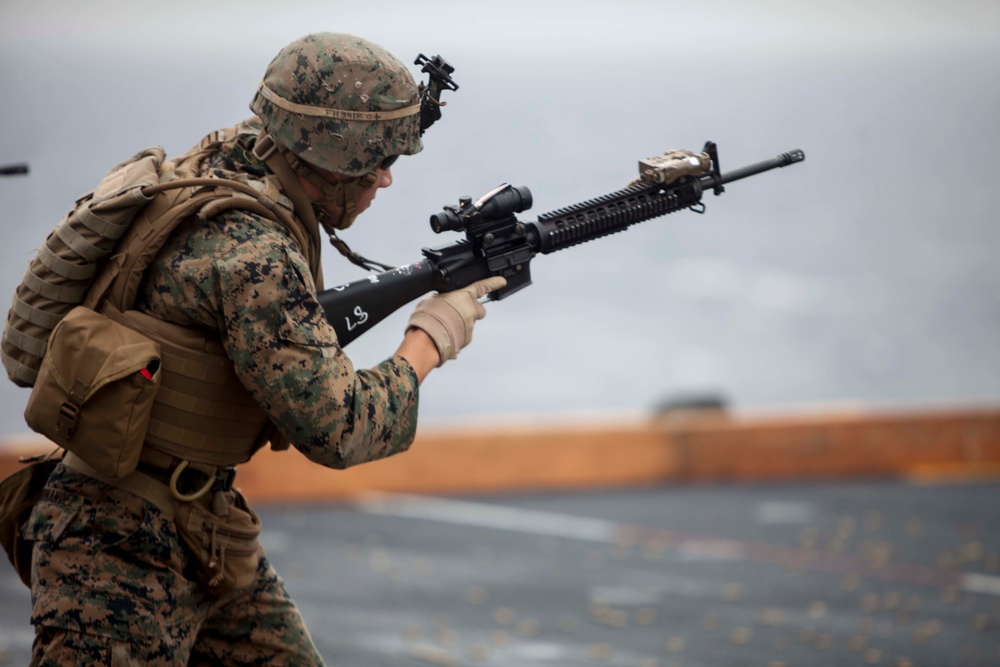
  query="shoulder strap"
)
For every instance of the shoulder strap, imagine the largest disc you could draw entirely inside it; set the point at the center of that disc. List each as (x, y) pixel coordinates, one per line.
(181, 194)
(119, 278)
(266, 150)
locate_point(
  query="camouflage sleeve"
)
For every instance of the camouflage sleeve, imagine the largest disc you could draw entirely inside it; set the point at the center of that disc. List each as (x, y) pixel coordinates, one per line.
(287, 355)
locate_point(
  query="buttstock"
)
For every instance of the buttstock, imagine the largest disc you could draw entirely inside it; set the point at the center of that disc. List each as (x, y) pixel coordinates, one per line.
(356, 307)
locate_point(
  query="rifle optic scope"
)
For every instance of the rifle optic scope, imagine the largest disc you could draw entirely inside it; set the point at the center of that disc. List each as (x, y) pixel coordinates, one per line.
(501, 202)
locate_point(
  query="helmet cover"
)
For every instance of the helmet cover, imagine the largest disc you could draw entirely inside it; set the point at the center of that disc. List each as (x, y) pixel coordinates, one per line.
(340, 102)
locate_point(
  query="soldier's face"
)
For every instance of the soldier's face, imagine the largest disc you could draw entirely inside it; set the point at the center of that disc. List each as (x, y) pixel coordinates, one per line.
(384, 180)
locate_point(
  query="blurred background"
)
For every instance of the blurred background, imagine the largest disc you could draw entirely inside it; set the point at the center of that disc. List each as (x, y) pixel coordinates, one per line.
(865, 274)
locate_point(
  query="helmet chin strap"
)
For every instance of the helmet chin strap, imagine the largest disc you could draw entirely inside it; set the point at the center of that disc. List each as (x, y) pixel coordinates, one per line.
(345, 193)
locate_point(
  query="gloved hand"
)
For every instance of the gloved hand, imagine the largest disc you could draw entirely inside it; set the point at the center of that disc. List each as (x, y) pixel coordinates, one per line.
(448, 318)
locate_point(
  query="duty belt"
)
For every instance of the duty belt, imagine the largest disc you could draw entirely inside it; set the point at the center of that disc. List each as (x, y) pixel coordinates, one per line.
(164, 487)
(190, 481)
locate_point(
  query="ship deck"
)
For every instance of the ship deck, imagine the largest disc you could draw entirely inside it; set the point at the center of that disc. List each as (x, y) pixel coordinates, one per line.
(874, 572)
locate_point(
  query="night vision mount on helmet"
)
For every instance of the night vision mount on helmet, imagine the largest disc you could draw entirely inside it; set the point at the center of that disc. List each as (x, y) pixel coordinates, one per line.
(439, 75)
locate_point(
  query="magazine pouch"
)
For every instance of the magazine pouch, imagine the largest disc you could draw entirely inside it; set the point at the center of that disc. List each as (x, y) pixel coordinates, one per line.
(95, 389)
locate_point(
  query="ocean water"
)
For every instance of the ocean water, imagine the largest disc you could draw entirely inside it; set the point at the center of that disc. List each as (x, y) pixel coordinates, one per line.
(866, 273)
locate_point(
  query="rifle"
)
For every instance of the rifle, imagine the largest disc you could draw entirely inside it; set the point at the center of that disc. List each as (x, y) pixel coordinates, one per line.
(14, 169)
(496, 243)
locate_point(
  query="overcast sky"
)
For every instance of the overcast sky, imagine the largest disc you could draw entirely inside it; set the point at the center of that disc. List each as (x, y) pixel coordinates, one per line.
(518, 27)
(866, 273)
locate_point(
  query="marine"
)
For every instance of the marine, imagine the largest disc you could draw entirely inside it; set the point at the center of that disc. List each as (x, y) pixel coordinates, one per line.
(158, 562)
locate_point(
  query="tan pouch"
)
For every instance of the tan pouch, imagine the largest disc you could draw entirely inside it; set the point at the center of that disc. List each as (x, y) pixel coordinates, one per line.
(19, 492)
(95, 390)
(224, 541)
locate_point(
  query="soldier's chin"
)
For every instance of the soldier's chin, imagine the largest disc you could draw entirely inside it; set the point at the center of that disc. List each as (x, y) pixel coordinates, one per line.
(328, 217)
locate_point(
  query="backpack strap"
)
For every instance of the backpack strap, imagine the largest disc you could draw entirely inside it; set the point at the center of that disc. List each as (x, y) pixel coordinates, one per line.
(267, 151)
(173, 202)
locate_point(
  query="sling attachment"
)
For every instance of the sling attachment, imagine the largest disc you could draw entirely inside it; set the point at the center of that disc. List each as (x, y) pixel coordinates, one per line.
(353, 257)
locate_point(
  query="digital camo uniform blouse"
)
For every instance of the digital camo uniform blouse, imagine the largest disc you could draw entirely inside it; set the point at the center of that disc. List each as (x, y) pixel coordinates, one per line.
(245, 277)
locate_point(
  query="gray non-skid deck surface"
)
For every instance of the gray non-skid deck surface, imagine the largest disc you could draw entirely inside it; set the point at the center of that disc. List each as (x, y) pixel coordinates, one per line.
(866, 573)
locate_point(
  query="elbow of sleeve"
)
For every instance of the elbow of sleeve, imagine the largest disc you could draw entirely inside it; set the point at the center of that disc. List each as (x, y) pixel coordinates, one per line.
(326, 454)
(342, 455)
(338, 462)
(350, 453)
(332, 458)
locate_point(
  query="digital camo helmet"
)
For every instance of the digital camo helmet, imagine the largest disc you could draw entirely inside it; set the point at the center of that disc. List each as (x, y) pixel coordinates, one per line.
(340, 102)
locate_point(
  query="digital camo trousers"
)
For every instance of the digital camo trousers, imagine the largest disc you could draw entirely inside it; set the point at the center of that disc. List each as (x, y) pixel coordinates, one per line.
(112, 585)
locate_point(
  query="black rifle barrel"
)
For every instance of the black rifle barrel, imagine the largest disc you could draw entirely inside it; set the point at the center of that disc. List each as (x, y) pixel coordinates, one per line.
(783, 160)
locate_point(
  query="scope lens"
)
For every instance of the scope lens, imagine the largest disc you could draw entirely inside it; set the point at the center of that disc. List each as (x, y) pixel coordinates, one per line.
(446, 221)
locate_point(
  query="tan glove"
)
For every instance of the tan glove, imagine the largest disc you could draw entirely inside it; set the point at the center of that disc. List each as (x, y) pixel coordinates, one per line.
(448, 318)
